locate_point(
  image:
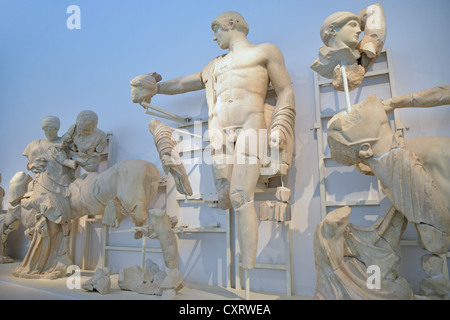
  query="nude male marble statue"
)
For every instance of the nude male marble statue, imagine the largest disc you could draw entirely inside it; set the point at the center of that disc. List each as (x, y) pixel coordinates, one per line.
(236, 85)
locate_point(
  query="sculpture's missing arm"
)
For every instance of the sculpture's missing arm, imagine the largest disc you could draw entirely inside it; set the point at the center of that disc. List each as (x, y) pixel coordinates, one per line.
(2, 193)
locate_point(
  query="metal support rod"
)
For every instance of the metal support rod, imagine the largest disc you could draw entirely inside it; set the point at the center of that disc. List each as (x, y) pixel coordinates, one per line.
(144, 244)
(188, 133)
(344, 80)
(161, 115)
(174, 116)
(176, 120)
(247, 284)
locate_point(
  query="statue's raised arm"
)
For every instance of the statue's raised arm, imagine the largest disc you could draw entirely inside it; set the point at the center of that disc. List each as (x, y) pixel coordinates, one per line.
(144, 87)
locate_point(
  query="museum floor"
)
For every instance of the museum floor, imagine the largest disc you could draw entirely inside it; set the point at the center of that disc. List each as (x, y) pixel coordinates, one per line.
(12, 288)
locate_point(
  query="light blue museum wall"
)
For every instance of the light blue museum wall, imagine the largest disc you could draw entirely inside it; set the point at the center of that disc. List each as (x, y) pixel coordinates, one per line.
(48, 69)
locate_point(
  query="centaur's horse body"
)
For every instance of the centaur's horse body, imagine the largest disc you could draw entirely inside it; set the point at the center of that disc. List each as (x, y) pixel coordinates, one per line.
(127, 187)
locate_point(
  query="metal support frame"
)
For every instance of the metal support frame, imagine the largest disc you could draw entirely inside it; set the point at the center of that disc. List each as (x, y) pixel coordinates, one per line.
(210, 199)
(287, 266)
(212, 202)
(321, 142)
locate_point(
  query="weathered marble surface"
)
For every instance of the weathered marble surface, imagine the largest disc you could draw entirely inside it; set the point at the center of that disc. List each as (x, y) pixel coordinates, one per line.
(344, 252)
(152, 280)
(100, 281)
(416, 179)
(47, 202)
(237, 113)
(340, 33)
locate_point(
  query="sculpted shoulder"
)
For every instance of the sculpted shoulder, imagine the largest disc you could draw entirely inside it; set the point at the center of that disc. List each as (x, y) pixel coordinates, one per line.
(270, 48)
(270, 51)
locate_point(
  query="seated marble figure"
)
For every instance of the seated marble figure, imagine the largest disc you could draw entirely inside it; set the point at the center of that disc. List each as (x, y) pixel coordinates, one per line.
(84, 142)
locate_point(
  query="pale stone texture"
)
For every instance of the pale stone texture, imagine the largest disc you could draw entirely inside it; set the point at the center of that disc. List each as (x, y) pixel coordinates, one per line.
(152, 280)
(417, 188)
(340, 33)
(99, 282)
(236, 86)
(46, 203)
(43, 205)
(274, 211)
(343, 252)
(435, 285)
(169, 155)
(84, 142)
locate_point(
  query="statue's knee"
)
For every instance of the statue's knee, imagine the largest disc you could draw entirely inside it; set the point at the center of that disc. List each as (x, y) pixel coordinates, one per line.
(239, 198)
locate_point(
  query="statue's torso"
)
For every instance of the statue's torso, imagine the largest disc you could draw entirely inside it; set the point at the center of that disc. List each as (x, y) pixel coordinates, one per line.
(241, 82)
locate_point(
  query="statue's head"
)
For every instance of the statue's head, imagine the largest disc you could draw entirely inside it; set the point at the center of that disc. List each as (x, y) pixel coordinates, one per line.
(86, 122)
(143, 87)
(231, 20)
(50, 125)
(224, 26)
(341, 29)
(352, 136)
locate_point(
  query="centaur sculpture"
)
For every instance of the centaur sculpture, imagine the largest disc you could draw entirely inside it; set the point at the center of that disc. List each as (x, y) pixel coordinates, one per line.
(128, 187)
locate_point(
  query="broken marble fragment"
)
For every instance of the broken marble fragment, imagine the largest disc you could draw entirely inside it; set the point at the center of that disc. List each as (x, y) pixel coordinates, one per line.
(100, 281)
